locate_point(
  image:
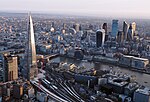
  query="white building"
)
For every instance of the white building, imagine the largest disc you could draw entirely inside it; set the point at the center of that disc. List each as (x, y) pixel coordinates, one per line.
(134, 62)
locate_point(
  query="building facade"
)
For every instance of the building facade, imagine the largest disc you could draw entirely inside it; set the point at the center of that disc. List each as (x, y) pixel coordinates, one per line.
(30, 55)
(130, 33)
(10, 67)
(114, 28)
(142, 95)
(104, 26)
(120, 37)
(100, 38)
(125, 30)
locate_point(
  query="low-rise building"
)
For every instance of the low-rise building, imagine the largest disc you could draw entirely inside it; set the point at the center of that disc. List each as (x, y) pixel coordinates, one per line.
(139, 63)
(17, 91)
(134, 62)
(117, 85)
(129, 89)
(142, 94)
(125, 60)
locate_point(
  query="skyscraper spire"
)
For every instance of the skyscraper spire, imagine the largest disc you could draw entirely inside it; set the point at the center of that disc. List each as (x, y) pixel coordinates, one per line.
(31, 51)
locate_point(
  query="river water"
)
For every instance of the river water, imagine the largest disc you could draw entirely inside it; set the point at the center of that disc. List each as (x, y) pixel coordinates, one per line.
(141, 78)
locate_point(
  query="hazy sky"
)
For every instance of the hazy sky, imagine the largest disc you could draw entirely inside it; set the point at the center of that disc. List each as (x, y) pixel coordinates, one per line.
(109, 8)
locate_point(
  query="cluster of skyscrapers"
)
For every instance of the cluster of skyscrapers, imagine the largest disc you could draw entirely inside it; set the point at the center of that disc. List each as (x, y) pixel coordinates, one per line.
(127, 34)
(87, 43)
(121, 36)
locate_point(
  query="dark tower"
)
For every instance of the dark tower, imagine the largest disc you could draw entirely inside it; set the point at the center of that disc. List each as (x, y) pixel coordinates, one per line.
(125, 30)
(120, 37)
(130, 33)
(100, 38)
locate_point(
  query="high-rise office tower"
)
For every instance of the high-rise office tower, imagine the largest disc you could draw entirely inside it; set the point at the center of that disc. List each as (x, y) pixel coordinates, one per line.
(64, 26)
(120, 37)
(130, 33)
(31, 63)
(104, 26)
(10, 67)
(114, 28)
(52, 27)
(133, 26)
(63, 30)
(125, 30)
(100, 37)
(77, 27)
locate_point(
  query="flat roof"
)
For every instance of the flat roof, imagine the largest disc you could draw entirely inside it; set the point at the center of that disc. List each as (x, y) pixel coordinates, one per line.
(117, 83)
(144, 59)
(136, 58)
(143, 90)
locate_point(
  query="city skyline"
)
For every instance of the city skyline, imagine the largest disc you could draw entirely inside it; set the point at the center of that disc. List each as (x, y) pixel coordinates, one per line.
(73, 59)
(99, 8)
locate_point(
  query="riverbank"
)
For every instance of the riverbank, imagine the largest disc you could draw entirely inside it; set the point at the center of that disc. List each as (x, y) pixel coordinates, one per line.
(141, 78)
(110, 61)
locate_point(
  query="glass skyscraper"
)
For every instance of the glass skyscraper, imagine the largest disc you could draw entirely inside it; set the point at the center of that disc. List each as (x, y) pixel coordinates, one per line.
(134, 26)
(114, 28)
(104, 26)
(130, 33)
(125, 30)
(100, 38)
(31, 52)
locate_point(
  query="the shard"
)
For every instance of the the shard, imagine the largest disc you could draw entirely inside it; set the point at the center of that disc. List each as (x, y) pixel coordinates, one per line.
(31, 63)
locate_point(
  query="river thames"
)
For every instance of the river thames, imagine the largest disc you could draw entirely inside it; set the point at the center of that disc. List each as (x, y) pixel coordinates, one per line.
(141, 78)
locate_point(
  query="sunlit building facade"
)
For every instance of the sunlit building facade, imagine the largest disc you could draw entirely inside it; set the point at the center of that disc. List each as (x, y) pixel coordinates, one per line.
(31, 64)
(10, 67)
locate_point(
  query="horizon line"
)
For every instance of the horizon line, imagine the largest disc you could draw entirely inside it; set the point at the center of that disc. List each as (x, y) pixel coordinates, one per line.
(72, 14)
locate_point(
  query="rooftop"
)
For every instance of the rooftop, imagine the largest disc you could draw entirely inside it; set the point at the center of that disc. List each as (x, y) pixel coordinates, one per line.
(143, 90)
(132, 86)
(136, 58)
(118, 82)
